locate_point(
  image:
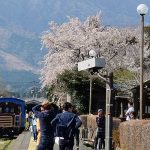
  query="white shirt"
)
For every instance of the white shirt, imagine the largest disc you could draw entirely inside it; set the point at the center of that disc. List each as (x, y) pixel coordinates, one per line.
(33, 120)
(131, 109)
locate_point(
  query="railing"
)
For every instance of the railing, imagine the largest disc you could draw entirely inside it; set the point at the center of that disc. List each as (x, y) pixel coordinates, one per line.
(84, 133)
(6, 121)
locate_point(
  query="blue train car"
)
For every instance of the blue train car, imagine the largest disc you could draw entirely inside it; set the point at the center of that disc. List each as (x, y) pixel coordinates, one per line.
(12, 116)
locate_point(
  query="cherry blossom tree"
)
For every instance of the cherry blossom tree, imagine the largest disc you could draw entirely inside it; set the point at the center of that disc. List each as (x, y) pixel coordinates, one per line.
(70, 43)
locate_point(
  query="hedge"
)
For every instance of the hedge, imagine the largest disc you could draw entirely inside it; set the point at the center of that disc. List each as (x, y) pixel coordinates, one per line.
(135, 135)
(89, 122)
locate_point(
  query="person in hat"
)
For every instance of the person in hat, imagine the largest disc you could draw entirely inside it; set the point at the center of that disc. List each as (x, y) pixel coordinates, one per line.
(100, 131)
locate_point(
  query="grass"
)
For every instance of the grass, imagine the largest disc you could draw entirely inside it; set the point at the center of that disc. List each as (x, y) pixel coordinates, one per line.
(4, 143)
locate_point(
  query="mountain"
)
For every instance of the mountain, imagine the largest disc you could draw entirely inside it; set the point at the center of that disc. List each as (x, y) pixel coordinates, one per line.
(34, 15)
(23, 21)
(20, 55)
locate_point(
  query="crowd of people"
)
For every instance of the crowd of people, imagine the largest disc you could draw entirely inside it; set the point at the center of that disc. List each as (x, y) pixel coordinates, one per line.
(48, 124)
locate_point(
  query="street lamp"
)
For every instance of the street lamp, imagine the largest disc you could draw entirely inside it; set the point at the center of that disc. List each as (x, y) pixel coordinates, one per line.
(93, 64)
(92, 54)
(142, 9)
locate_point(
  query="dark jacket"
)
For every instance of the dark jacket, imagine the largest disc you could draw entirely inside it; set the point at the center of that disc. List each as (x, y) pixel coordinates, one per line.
(100, 121)
(45, 119)
(67, 119)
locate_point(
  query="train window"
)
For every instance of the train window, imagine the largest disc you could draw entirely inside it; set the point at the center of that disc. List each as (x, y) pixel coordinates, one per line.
(12, 110)
(19, 109)
(7, 109)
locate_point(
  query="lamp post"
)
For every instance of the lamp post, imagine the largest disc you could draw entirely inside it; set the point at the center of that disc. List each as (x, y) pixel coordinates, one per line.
(95, 64)
(142, 9)
(92, 54)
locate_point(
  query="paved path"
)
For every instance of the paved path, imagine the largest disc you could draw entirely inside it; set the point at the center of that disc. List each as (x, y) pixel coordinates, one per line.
(25, 142)
(82, 147)
(22, 142)
(32, 146)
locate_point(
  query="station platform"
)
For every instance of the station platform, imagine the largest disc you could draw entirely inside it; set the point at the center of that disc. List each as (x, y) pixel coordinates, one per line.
(21, 142)
(25, 142)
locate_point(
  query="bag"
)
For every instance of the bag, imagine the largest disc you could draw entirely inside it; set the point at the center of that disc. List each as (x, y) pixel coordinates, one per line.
(30, 129)
(57, 140)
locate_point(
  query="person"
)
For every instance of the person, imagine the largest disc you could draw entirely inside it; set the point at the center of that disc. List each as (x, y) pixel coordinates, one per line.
(77, 131)
(45, 117)
(34, 129)
(65, 124)
(100, 131)
(130, 109)
(30, 121)
(38, 129)
(132, 115)
(27, 115)
(38, 132)
(27, 125)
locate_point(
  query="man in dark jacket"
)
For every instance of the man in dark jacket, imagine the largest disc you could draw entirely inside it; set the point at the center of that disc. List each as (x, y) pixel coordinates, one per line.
(100, 132)
(65, 125)
(45, 118)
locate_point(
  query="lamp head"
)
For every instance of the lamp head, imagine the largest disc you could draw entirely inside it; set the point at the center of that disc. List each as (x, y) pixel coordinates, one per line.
(92, 53)
(142, 9)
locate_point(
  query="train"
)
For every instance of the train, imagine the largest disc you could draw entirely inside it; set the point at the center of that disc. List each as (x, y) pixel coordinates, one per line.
(12, 116)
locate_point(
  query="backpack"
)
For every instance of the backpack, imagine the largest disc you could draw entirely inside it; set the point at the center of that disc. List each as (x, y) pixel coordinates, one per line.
(65, 130)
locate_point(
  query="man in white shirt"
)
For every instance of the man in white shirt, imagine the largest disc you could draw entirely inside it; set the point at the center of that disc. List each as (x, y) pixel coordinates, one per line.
(130, 109)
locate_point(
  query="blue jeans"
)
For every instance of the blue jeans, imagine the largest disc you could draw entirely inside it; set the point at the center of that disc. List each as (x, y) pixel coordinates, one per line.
(34, 132)
(46, 143)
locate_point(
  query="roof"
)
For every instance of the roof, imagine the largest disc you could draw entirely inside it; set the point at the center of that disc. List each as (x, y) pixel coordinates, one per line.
(36, 102)
(10, 99)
